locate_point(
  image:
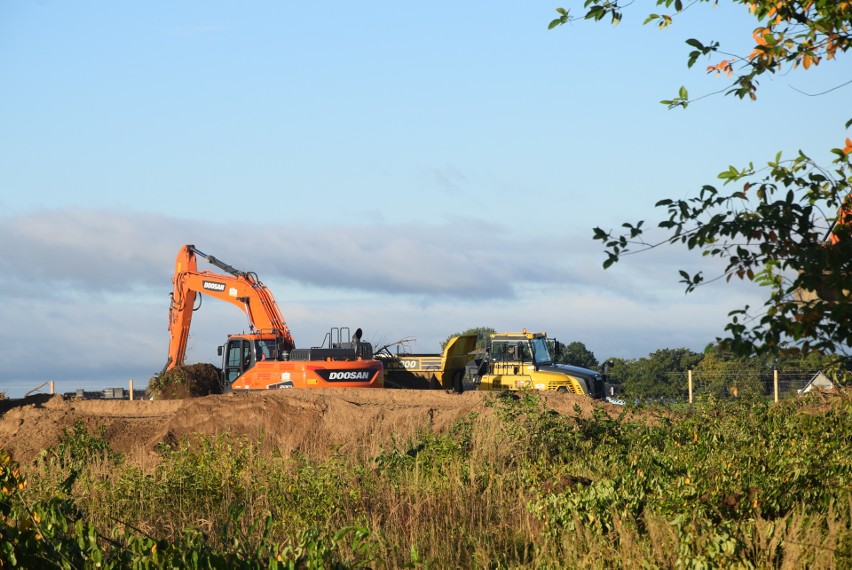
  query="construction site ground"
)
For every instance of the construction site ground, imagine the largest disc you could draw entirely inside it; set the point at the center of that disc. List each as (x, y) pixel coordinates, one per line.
(315, 422)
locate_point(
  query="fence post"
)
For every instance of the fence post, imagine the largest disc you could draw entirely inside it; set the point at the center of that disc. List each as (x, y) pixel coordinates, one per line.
(689, 383)
(131, 388)
(775, 383)
(51, 387)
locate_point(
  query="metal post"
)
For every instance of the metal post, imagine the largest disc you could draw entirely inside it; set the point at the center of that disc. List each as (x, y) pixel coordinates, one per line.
(775, 383)
(131, 388)
(51, 387)
(689, 382)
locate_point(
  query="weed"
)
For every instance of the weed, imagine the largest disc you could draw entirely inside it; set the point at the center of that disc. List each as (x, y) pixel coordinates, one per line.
(740, 484)
(77, 447)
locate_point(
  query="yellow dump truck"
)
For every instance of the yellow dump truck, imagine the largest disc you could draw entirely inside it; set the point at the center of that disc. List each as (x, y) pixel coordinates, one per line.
(429, 371)
(510, 361)
(523, 361)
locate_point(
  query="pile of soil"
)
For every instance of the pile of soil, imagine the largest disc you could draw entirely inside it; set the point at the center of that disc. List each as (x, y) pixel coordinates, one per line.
(316, 422)
(188, 381)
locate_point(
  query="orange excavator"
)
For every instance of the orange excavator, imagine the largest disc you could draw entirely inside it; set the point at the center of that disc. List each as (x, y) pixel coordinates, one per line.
(266, 357)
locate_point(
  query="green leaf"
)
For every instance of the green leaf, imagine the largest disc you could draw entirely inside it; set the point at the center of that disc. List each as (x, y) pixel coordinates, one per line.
(695, 43)
(595, 13)
(693, 57)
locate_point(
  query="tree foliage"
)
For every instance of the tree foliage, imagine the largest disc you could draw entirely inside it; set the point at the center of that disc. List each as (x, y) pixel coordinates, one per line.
(482, 335)
(722, 374)
(576, 354)
(773, 224)
(659, 376)
(796, 360)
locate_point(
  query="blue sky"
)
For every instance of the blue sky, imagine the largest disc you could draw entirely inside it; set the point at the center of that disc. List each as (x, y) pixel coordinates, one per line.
(412, 170)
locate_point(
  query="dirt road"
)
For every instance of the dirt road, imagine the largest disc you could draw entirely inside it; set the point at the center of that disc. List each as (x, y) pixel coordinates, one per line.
(315, 422)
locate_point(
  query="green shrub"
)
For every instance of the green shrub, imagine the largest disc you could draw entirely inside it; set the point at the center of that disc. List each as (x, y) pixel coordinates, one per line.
(734, 484)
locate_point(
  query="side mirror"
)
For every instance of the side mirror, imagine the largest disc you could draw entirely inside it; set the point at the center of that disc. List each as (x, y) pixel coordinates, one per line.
(220, 349)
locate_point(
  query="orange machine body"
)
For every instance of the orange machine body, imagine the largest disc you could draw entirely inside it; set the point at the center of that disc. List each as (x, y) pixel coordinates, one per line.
(245, 369)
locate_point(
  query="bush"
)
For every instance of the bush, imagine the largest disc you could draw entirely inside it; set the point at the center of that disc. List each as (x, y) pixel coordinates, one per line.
(738, 484)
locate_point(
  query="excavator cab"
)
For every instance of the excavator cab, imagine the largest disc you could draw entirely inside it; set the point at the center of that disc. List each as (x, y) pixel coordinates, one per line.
(238, 357)
(242, 353)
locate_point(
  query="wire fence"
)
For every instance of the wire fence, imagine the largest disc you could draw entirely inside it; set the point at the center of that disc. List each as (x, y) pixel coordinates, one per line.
(688, 386)
(127, 392)
(772, 384)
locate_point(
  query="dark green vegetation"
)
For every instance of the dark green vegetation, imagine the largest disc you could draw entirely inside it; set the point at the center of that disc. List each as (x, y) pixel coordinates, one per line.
(482, 334)
(662, 375)
(576, 354)
(736, 484)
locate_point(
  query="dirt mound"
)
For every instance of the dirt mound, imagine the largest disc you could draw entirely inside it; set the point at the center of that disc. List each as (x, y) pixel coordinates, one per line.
(315, 422)
(188, 381)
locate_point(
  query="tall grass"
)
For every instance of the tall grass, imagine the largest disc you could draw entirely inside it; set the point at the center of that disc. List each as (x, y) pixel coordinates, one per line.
(743, 484)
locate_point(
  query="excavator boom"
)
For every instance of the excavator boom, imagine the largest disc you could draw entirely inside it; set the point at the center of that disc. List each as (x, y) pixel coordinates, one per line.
(239, 288)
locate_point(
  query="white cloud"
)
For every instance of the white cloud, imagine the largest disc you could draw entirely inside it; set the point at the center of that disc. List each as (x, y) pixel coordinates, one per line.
(85, 292)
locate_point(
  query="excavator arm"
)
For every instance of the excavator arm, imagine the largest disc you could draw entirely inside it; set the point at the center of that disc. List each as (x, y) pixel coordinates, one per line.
(240, 288)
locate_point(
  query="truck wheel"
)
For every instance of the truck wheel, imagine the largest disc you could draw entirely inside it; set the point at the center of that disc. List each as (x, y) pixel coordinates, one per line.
(458, 382)
(562, 390)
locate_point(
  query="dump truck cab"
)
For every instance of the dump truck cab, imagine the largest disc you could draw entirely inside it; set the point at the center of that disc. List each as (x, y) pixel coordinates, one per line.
(523, 361)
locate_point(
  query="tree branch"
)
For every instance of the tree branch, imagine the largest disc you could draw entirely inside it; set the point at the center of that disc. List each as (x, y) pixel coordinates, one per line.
(822, 92)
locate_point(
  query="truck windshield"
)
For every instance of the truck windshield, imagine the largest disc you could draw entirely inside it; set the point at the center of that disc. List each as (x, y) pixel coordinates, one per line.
(541, 354)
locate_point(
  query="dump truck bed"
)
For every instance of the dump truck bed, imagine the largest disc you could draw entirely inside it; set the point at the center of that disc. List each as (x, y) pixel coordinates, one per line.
(429, 371)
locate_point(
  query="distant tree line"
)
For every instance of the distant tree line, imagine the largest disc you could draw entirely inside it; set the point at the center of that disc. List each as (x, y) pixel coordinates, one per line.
(661, 374)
